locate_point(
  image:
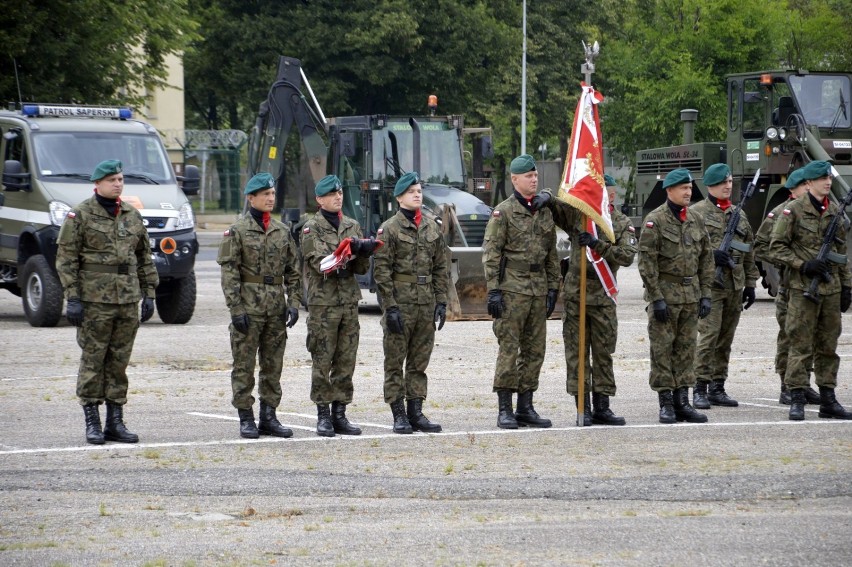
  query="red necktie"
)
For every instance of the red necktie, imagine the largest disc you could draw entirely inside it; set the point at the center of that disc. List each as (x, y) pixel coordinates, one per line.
(265, 221)
(417, 217)
(682, 214)
(824, 205)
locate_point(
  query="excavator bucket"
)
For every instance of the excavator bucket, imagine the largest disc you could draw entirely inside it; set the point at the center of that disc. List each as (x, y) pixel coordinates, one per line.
(468, 292)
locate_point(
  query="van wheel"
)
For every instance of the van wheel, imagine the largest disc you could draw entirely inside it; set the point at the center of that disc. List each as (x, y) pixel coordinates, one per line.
(176, 300)
(41, 293)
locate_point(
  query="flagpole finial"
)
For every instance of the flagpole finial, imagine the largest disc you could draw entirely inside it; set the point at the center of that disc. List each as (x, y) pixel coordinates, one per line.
(588, 68)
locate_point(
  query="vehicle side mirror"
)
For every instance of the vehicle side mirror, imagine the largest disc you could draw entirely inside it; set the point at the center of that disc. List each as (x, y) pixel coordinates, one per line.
(347, 144)
(190, 181)
(14, 176)
(487, 147)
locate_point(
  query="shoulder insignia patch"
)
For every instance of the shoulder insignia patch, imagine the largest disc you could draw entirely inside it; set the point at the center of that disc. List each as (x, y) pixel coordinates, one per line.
(770, 216)
(227, 232)
(787, 211)
(649, 224)
(306, 230)
(496, 214)
(380, 231)
(631, 228)
(71, 215)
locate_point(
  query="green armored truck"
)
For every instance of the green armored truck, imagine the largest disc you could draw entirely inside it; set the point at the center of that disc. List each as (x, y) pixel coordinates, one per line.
(49, 152)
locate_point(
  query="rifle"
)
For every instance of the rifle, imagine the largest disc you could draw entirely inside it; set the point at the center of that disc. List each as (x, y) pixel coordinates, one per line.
(728, 241)
(828, 240)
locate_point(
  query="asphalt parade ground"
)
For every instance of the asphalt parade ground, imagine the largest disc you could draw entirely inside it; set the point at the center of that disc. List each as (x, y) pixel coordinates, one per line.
(747, 488)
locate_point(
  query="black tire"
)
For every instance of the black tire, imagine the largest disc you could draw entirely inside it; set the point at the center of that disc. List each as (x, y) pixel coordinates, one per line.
(176, 300)
(41, 293)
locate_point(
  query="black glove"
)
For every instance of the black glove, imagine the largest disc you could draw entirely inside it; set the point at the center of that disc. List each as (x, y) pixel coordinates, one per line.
(661, 311)
(365, 247)
(440, 315)
(587, 239)
(540, 201)
(704, 306)
(147, 309)
(495, 303)
(748, 297)
(291, 316)
(74, 311)
(722, 259)
(816, 268)
(393, 318)
(845, 298)
(550, 302)
(354, 246)
(241, 323)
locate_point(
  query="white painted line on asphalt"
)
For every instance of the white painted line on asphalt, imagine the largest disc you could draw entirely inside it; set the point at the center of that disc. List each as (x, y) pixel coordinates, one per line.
(773, 407)
(232, 418)
(353, 438)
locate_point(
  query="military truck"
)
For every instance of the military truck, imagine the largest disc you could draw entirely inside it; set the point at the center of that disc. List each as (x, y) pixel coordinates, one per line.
(369, 153)
(777, 121)
(49, 152)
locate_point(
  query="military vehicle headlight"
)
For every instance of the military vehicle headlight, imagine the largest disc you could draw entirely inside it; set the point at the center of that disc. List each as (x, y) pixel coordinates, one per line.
(58, 211)
(186, 219)
(782, 134)
(772, 133)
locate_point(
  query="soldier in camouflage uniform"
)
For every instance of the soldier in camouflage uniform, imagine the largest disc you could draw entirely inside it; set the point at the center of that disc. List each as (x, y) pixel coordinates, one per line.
(716, 331)
(522, 275)
(104, 265)
(263, 289)
(676, 265)
(796, 184)
(412, 278)
(333, 306)
(601, 319)
(813, 323)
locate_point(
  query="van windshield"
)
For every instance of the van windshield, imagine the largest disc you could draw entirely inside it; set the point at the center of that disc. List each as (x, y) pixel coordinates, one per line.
(75, 154)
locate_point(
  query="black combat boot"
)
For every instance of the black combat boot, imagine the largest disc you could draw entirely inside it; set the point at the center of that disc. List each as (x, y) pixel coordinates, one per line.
(699, 396)
(268, 423)
(602, 415)
(94, 434)
(717, 396)
(784, 397)
(587, 411)
(248, 429)
(506, 416)
(417, 420)
(400, 420)
(340, 422)
(797, 404)
(829, 407)
(114, 429)
(325, 428)
(526, 414)
(667, 413)
(683, 410)
(812, 396)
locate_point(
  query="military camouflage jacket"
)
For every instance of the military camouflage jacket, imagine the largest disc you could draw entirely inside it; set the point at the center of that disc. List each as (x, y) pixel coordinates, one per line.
(797, 237)
(716, 221)
(675, 258)
(410, 253)
(764, 235)
(617, 254)
(319, 239)
(527, 241)
(104, 258)
(246, 251)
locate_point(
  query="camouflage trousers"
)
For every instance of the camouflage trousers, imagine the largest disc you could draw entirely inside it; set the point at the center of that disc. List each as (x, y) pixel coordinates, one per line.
(600, 338)
(782, 344)
(716, 335)
(812, 333)
(333, 343)
(522, 335)
(673, 348)
(106, 339)
(265, 340)
(413, 349)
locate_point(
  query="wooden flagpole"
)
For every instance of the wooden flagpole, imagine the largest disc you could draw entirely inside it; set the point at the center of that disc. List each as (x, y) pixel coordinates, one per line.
(581, 339)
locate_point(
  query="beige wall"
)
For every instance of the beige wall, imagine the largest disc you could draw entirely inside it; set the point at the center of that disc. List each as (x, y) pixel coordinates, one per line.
(165, 108)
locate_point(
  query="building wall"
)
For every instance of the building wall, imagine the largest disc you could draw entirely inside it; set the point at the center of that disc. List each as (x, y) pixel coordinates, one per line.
(165, 108)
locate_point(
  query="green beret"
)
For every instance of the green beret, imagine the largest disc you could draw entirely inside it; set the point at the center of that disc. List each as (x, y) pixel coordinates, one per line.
(406, 181)
(795, 179)
(677, 177)
(815, 170)
(716, 174)
(328, 184)
(259, 182)
(609, 181)
(107, 167)
(522, 164)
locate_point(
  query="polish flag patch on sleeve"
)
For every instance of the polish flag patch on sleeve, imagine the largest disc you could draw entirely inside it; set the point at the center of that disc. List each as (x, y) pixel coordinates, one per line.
(770, 216)
(380, 231)
(227, 232)
(649, 224)
(307, 230)
(496, 214)
(786, 211)
(631, 228)
(71, 215)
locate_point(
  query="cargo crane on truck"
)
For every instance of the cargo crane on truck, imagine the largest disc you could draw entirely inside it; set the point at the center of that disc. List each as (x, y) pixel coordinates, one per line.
(777, 121)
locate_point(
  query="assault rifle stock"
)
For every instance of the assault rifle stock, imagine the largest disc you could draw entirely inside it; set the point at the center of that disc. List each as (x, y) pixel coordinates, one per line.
(828, 240)
(728, 241)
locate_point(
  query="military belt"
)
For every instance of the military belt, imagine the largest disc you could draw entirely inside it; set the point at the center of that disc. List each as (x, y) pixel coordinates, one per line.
(683, 280)
(408, 278)
(523, 266)
(268, 280)
(106, 269)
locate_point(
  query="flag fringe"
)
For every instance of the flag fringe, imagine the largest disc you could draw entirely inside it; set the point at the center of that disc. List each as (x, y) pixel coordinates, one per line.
(587, 210)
